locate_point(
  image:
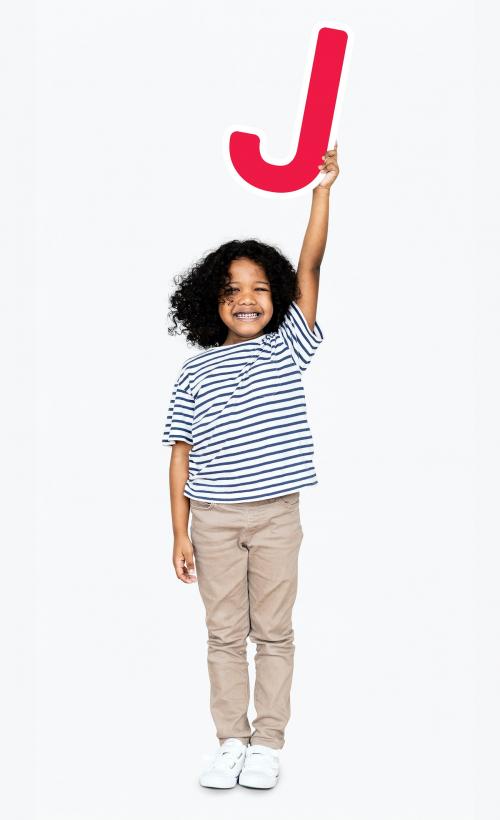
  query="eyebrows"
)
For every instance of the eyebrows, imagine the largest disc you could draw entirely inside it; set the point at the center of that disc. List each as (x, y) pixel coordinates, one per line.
(257, 282)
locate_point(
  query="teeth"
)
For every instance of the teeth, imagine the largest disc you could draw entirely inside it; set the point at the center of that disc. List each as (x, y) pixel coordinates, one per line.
(246, 315)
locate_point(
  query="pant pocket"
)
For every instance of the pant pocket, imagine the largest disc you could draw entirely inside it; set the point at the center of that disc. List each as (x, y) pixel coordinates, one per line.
(291, 499)
(197, 504)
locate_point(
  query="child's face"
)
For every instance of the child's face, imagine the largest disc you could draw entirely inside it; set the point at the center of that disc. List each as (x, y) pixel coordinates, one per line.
(249, 292)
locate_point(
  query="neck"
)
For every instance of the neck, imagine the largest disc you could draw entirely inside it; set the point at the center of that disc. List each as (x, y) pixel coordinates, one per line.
(233, 339)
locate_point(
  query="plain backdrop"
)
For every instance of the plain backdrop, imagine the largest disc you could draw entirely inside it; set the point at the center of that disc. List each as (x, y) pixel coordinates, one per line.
(118, 173)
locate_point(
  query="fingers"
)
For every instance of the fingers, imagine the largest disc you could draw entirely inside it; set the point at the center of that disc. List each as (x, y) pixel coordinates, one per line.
(190, 570)
(329, 165)
(331, 153)
(329, 160)
(184, 569)
(180, 569)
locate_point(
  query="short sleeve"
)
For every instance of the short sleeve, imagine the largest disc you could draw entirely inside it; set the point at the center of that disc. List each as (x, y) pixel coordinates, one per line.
(298, 336)
(179, 423)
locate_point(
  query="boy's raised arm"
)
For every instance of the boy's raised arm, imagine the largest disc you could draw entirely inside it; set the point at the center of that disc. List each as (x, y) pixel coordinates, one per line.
(314, 244)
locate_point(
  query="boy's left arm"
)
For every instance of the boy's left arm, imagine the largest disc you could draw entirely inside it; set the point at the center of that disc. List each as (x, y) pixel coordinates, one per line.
(313, 246)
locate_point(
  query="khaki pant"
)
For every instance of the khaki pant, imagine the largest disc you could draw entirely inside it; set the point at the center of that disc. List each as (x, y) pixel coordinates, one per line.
(246, 557)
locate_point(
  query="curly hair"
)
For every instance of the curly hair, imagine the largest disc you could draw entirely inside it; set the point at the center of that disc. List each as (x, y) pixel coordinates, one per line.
(194, 304)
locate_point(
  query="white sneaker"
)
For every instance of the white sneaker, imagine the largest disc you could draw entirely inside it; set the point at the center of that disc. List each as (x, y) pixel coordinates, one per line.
(227, 763)
(261, 769)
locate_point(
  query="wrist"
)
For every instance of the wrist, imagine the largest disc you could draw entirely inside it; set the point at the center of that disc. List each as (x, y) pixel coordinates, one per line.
(322, 189)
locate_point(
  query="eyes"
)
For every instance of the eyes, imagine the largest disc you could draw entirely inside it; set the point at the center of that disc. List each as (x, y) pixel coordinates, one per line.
(232, 289)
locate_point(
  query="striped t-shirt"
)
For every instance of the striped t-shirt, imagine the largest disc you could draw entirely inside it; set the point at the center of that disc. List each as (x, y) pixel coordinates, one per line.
(243, 409)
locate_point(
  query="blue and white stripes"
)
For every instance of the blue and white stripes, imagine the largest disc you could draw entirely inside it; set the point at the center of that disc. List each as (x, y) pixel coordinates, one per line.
(242, 407)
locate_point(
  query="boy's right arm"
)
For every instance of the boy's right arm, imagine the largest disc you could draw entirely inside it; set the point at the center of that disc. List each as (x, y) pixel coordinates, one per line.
(183, 559)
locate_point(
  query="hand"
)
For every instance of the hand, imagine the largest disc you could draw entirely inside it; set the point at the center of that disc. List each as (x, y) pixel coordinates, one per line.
(183, 560)
(330, 168)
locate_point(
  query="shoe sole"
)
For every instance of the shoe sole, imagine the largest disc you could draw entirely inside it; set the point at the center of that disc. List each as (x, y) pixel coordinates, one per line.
(258, 786)
(220, 785)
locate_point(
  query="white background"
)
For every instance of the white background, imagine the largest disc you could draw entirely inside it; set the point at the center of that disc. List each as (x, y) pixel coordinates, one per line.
(119, 179)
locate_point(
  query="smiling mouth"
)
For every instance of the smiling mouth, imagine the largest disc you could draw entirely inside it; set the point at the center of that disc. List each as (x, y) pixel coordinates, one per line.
(247, 317)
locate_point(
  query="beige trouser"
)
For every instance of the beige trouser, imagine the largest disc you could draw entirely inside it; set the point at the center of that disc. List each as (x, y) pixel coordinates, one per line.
(246, 557)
